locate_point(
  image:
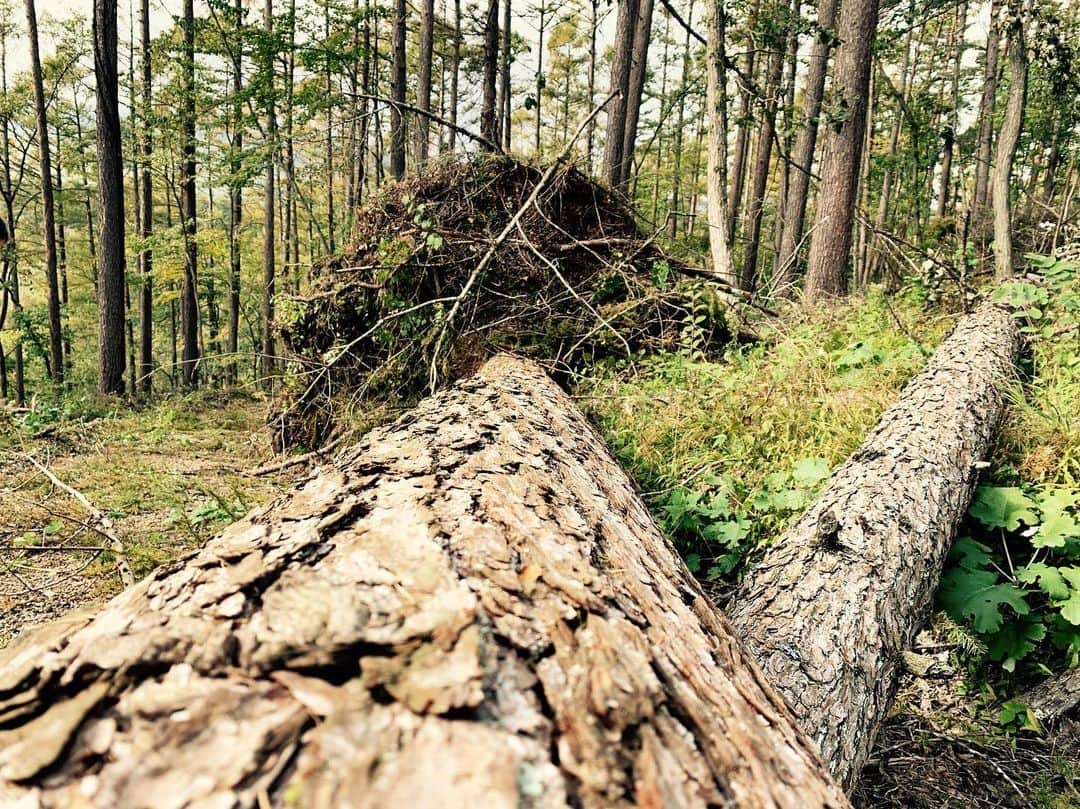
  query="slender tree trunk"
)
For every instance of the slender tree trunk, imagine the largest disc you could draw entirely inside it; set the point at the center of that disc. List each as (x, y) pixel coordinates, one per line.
(830, 245)
(803, 157)
(48, 216)
(636, 88)
(944, 202)
(762, 163)
(87, 207)
(10, 256)
(146, 292)
(590, 130)
(189, 293)
(61, 253)
(506, 107)
(680, 123)
(788, 130)
(716, 183)
(331, 174)
(986, 118)
(542, 10)
(266, 359)
(455, 71)
(488, 122)
(496, 622)
(744, 118)
(621, 61)
(423, 81)
(1005, 152)
(236, 203)
(397, 91)
(837, 599)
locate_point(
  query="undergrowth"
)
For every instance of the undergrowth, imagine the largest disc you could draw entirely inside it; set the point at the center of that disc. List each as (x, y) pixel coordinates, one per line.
(728, 452)
(1014, 575)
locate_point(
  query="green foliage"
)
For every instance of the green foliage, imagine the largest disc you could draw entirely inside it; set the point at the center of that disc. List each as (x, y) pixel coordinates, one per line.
(733, 449)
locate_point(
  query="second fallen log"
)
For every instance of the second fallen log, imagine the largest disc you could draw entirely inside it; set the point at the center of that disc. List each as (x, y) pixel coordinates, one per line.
(833, 604)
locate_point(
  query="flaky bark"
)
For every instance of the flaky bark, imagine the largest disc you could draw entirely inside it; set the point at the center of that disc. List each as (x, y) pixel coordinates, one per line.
(1055, 697)
(836, 600)
(473, 609)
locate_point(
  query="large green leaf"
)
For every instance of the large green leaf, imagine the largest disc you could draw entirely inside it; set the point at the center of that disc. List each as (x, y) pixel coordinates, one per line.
(977, 595)
(1003, 507)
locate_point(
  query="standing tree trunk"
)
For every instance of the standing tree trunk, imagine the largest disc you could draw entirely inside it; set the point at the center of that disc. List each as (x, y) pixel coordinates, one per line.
(506, 108)
(541, 80)
(189, 292)
(1005, 152)
(397, 92)
(475, 610)
(716, 182)
(236, 201)
(841, 594)
(146, 292)
(10, 256)
(762, 161)
(423, 81)
(639, 57)
(744, 119)
(48, 216)
(266, 355)
(111, 278)
(948, 136)
(830, 244)
(680, 123)
(986, 118)
(621, 60)
(803, 157)
(455, 72)
(488, 114)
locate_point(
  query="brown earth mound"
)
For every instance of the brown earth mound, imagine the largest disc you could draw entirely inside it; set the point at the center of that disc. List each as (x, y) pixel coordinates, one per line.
(575, 281)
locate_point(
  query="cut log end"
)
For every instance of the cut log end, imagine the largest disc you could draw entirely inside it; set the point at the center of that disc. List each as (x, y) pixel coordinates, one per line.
(473, 609)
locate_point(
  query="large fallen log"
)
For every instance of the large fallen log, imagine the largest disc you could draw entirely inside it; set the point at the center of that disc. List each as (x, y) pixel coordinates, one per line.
(473, 610)
(833, 604)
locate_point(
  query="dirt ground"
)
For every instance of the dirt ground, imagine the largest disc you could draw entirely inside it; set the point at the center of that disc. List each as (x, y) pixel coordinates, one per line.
(166, 477)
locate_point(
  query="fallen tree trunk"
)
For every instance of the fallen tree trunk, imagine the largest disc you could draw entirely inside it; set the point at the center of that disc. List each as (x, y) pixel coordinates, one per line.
(833, 604)
(474, 609)
(1055, 697)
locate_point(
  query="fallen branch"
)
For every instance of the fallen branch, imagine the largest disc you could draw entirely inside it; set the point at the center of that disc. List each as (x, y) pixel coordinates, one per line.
(104, 524)
(295, 460)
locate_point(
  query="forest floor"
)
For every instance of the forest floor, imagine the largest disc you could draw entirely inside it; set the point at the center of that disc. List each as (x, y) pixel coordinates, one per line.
(726, 450)
(167, 476)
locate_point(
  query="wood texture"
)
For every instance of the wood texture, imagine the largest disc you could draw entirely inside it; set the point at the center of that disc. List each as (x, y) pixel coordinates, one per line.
(474, 609)
(1055, 697)
(841, 594)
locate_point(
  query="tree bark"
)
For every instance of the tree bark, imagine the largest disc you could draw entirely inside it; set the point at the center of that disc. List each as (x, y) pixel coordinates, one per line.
(189, 294)
(1055, 697)
(111, 276)
(488, 118)
(267, 363)
(423, 81)
(506, 104)
(716, 180)
(635, 88)
(397, 91)
(830, 244)
(455, 71)
(1007, 139)
(841, 594)
(621, 60)
(236, 201)
(986, 115)
(744, 119)
(48, 215)
(803, 157)
(146, 260)
(473, 608)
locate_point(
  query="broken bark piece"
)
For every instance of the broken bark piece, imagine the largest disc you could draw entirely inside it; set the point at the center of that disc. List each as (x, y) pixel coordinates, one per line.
(1053, 698)
(835, 601)
(472, 609)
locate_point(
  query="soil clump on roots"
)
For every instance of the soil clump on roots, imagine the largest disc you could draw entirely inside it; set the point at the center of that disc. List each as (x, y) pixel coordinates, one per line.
(575, 281)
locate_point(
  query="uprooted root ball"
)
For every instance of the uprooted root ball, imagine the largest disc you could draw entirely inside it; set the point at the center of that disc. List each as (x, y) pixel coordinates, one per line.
(576, 280)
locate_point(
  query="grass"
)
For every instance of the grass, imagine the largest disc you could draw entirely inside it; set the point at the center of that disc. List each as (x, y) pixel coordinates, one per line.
(749, 438)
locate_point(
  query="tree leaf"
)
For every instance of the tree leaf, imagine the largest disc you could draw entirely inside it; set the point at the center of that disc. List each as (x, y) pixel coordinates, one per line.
(976, 594)
(810, 471)
(1003, 507)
